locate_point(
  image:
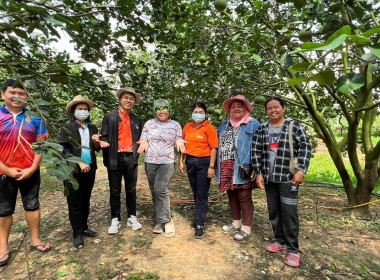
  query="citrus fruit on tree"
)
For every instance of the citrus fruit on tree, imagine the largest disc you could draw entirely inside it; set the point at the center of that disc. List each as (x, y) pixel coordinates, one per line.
(220, 5)
(259, 99)
(305, 35)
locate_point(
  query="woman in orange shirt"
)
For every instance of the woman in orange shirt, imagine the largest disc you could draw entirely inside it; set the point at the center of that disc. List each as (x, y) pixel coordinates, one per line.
(201, 150)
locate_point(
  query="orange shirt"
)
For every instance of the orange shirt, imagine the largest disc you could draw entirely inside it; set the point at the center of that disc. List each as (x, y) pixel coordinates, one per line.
(125, 135)
(201, 139)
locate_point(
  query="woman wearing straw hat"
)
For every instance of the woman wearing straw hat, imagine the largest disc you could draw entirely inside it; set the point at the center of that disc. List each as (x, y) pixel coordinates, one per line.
(73, 136)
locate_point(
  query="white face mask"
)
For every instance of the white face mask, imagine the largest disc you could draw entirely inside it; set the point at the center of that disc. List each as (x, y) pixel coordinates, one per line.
(81, 114)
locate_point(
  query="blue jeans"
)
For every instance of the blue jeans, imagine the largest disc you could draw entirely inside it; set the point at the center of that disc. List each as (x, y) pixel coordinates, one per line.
(282, 201)
(159, 176)
(197, 168)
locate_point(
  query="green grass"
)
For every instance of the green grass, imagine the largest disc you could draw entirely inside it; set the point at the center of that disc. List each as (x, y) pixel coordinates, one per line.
(322, 169)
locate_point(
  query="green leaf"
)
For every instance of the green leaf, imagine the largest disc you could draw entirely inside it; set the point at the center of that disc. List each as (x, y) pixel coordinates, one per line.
(375, 49)
(349, 82)
(57, 173)
(296, 81)
(55, 146)
(236, 37)
(256, 57)
(60, 79)
(372, 31)
(31, 83)
(374, 67)
(31, 114)
(334, 44)
(312, 45)
(359, 39)
(286, 61)
(51, 19)
(51, 160)
(76, 160)
(33, 9)
(345, 30)
(66, 191)
(74, 183)
(68, 132)
(20, 33)
(367, 57)
(53, 30)
(39, 150)
(325, 78)
(33, 25)
(300, 67)
(65, 19)
(66, 168)
(41, 102)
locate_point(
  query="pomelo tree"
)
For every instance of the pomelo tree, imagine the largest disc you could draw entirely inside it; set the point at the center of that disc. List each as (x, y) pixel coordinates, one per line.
(322, 57)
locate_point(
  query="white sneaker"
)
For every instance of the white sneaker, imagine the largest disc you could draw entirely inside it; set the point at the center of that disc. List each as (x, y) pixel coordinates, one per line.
(134, 223)
(115, 225)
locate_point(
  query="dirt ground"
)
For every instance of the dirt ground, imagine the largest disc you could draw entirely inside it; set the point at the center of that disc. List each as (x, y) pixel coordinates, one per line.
(333, 244)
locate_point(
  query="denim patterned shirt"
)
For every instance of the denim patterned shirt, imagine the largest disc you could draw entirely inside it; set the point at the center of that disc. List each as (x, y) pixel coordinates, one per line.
(260, 152)
(161, 137)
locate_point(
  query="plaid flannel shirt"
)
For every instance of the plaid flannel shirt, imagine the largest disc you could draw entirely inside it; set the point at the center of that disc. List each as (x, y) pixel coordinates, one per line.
(260, 152)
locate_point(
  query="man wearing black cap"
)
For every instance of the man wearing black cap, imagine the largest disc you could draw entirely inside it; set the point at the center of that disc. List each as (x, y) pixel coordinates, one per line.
(121, 129)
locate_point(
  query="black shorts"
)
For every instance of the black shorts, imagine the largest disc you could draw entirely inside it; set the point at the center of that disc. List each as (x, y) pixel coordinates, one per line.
(29, 190)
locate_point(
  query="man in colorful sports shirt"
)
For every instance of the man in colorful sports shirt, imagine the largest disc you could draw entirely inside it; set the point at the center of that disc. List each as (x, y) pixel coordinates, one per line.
(19, 167)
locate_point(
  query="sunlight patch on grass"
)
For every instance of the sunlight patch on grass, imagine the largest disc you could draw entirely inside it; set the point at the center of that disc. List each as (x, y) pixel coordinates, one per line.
(322, 169)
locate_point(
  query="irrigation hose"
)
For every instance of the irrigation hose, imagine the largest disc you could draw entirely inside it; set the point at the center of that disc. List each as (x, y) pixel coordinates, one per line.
(214, 199)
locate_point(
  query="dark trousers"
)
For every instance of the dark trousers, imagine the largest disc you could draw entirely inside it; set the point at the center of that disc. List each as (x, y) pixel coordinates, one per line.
(197, 168)
(241, 205)
(127, 169)
(282, 199)
(78, 202)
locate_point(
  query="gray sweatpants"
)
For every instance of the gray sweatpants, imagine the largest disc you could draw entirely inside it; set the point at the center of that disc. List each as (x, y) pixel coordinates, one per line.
(159, 176)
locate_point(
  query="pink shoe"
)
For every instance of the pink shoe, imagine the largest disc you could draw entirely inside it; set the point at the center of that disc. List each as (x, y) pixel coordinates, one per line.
(293, 260)
(274, 248)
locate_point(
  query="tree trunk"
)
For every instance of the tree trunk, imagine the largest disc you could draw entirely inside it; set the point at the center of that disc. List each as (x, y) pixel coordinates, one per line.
(363, 193)
(364, 188)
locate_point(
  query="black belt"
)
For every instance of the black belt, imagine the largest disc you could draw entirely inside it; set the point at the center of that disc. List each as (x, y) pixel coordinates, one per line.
(127, 154)
(190, 156)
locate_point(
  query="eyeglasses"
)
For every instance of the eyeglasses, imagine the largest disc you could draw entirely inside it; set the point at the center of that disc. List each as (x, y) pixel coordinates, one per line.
(164, 109)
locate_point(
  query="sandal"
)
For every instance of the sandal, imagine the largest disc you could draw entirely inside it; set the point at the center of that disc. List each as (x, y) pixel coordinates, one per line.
(158, 229)
(292, 260)
(35, 248)
(229, 228)
(275, 247)
(2, 263)
(243, 235)
(169, 229)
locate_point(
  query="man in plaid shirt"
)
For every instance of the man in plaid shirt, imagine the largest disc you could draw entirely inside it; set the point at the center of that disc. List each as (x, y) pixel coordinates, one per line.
(271, 159)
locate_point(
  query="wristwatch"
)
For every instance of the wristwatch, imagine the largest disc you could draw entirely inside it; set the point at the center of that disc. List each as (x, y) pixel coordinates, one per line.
(212, 167)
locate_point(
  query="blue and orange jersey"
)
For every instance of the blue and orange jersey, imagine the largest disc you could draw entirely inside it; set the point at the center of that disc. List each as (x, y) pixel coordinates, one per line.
(15, 147)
